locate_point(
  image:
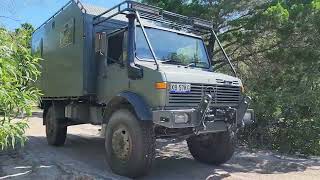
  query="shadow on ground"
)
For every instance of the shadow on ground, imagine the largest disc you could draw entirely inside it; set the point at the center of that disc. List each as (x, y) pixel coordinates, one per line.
(85, 154)
(37, 114)
(175, 161)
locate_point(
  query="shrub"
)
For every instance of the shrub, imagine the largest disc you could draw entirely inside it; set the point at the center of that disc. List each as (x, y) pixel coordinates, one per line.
(18, 72)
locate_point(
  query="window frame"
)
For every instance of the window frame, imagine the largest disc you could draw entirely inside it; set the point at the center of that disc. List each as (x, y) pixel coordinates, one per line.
(124, 48)
(173, 31)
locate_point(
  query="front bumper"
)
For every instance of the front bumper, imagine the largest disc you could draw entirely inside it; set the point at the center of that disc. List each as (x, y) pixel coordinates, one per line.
(206, 120)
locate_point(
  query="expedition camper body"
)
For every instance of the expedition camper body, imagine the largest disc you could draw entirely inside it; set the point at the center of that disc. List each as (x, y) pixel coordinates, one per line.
(142, 73)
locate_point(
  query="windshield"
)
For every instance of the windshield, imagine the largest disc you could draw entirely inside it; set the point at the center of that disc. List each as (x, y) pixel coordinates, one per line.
(171, 48)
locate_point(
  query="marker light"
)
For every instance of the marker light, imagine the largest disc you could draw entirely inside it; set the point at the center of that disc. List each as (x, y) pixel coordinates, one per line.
(160, 85)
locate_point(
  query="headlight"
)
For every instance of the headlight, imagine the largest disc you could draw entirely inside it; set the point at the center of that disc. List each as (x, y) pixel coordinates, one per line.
(181, 118)
(249, 117)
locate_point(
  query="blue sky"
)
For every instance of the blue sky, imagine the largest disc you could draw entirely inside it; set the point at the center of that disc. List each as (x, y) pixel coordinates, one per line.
(37, 11)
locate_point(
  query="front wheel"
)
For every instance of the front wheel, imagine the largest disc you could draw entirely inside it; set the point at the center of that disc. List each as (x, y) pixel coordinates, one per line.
(130, 144)
(214, 149)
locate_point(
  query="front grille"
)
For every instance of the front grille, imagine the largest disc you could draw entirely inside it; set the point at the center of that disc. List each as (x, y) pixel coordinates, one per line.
(223, 95)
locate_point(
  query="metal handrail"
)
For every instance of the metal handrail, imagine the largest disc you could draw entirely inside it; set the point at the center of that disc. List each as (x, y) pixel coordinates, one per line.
(60, 10)
(78, 2)
(224, 53)
(163, 16)
(148, 42)
(111, 9)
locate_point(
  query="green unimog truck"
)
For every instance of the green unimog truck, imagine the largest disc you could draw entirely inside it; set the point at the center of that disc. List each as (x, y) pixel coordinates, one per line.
(142, 73)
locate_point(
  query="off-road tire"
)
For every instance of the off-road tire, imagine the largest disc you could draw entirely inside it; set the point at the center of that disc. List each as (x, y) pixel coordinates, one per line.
(44, 114)
(56, 130)
(142, 149)
(213, 149)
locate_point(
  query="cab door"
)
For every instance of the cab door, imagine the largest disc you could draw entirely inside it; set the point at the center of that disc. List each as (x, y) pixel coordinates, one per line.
(113, 76)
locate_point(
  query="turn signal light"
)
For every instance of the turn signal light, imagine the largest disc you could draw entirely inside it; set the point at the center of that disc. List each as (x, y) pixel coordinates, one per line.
(161, 85)
(242, 89)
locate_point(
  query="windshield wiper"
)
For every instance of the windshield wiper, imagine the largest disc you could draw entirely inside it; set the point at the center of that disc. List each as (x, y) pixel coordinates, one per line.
(194, 64)
(171, 61)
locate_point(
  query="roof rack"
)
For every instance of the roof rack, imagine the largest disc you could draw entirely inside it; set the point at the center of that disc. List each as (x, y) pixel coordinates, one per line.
(156, 14)
(144, 11)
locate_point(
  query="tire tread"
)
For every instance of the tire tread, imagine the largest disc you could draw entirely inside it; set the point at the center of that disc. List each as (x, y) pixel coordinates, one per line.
(142, 165)
(220, 150)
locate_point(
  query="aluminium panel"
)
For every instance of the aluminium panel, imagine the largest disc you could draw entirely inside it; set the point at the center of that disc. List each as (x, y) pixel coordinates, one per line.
(62, 53)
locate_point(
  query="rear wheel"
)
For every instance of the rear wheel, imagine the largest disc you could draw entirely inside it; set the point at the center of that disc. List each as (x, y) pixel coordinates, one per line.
(130, 144)
(44, 115)
(56, 130)
(214, 149)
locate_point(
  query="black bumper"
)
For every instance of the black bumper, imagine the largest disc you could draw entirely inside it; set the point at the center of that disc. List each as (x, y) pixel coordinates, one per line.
(206, 120)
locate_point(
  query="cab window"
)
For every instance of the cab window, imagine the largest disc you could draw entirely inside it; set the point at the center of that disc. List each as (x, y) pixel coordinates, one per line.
(115, 48)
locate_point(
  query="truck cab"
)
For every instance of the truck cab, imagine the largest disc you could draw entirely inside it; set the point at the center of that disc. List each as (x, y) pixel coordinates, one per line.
(143, 73)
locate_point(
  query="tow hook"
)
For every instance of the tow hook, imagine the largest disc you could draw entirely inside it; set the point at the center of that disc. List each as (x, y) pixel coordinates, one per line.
(231, 115)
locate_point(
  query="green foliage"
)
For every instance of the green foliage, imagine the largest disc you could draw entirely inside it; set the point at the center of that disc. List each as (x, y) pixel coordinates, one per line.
(316, 4)
(277, 13)
(12, 133)
(275, 47)
(18, 72)
(287, 92)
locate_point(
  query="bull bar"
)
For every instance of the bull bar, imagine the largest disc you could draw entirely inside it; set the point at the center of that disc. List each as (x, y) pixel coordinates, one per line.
(205, 120)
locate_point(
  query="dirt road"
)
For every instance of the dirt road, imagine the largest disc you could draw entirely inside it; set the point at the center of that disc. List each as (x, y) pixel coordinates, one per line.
(83, 158)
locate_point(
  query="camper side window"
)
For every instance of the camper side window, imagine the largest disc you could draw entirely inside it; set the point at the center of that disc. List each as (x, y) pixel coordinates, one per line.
(115, 48)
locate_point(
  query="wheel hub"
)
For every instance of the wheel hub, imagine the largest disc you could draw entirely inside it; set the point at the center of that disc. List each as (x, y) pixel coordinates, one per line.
(121, 143)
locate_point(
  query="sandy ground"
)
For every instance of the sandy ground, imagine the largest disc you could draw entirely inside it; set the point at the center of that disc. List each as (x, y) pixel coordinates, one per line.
(82, 158)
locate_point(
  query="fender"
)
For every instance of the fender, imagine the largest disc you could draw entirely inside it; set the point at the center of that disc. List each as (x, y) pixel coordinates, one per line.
(139, 105)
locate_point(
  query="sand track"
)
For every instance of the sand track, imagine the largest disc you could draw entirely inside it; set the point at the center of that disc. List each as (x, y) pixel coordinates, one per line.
(83, 158)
